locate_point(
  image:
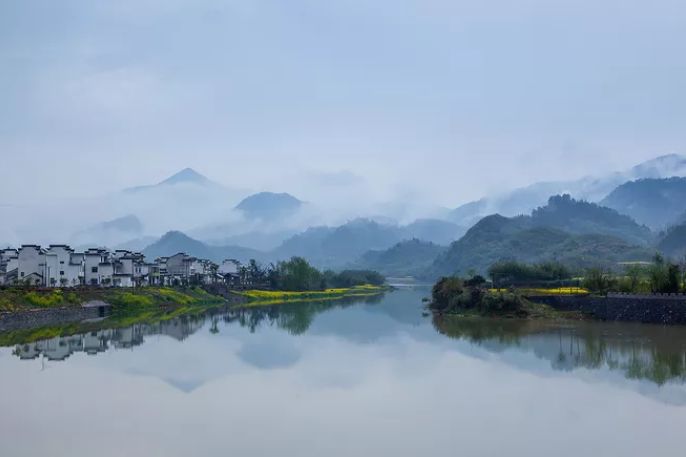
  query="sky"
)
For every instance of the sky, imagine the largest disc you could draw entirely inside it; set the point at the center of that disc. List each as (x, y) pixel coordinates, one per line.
(441, 101)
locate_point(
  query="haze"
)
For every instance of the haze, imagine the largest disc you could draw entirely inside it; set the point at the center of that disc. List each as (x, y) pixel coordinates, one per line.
(419, 103)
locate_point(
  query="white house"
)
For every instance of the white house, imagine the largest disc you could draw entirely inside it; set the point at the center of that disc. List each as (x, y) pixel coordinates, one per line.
(31, 265)
(60, 266)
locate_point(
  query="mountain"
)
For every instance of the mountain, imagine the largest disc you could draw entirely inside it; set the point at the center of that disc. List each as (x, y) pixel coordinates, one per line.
(594, 189)
(673, 242)
(433, 230)
(577, 233)
(407, 258)
(657, 203)
(332, 247)
(496, 238)
(129, 224)
(110, 233)
(269, 205)
(259, 240)
(184, 201)
(185, 176)
(174, 242)
(580, 217)
(338, 246)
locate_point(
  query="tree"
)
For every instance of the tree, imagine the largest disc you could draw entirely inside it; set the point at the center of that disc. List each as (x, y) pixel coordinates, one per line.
(597, 280)
(634, 273)
(445, 291)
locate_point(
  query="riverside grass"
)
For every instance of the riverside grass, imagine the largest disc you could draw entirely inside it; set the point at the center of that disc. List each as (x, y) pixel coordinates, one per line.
(20, 299)
(275, 297)
(548, 291)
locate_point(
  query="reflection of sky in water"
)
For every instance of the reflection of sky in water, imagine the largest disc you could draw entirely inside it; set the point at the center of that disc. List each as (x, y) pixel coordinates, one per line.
(374, 379)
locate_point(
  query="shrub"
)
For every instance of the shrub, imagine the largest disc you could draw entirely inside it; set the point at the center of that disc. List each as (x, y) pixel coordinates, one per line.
(54, 298)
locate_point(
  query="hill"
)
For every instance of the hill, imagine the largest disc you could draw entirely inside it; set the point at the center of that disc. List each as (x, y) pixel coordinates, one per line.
(407, 258)
(657, 203)
(174, 242)
(185, 176)
(269, 205)
(433, 230)
(580, 217)
(591, 188)
(579, 234)
(110, 232)
(497, 238)
(339, 246)
(673, 242)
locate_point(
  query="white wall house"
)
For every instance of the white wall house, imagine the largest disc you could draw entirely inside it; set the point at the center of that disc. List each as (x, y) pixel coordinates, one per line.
(31, 269)
(60, 266)
(65, 268)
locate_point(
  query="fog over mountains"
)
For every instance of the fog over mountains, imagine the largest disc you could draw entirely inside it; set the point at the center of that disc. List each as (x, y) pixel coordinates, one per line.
(189, 212)
(591, 188)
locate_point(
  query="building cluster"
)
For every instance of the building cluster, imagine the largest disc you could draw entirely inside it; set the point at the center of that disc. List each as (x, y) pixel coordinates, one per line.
(60, 266)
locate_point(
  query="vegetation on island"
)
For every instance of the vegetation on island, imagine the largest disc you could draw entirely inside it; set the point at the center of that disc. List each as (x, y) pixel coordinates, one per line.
(513, 286)
(473, 297)
(659, 276)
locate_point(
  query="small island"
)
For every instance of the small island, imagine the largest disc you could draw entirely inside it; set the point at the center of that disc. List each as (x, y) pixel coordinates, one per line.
(650, 292)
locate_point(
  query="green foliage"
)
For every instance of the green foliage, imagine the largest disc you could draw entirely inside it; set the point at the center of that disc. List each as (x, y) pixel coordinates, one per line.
(296, 274)
(131, 299)
(45, 300)
(446, 291)
(523, 239)
(598, 280)
(453, 295)
(658, 277)
(512, 272)
(352, 278)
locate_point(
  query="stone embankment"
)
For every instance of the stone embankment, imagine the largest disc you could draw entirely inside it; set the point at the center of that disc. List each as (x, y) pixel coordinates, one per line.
(53, 316)
(647, 308)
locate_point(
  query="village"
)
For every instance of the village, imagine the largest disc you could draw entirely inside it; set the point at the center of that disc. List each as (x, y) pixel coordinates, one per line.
(59, 266)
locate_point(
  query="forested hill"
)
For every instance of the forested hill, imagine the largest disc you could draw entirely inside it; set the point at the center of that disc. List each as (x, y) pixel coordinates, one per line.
(578, 234)
(657, 203)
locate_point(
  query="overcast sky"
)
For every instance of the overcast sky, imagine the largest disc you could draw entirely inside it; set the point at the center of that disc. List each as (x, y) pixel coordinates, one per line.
(446, 100)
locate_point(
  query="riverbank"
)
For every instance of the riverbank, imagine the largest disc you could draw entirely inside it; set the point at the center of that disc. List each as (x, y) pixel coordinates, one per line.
(13, 300)
(273, 297)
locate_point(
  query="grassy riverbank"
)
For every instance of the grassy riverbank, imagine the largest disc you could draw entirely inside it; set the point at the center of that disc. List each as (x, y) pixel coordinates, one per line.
(21, 299)
(272, 297)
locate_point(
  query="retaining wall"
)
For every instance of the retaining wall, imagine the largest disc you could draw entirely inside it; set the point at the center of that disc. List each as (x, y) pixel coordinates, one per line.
(654, 309)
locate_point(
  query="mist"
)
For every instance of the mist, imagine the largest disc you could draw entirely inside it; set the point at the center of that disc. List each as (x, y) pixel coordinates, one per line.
(391, 109)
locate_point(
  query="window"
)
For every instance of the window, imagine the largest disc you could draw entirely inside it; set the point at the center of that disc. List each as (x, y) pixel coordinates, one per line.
(22, 274)
(94, 282)
(61, 262)
(61, 273)
(94, 269)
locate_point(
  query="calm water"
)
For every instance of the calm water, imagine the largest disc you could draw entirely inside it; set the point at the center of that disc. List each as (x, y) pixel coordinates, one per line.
(358, 379)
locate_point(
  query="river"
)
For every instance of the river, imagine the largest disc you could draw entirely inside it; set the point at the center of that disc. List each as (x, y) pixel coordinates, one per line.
(366, 378)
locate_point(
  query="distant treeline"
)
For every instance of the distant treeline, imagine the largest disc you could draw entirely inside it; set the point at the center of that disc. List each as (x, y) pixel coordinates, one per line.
(297, 274)
(658, 276)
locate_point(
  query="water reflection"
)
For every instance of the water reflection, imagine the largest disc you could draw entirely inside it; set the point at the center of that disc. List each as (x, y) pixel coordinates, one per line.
(341, 379)
(294, 318)
(639, 351)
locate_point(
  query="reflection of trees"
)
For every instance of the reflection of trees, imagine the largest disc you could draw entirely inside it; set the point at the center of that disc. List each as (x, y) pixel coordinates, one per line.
(640, 351)
(295, 318)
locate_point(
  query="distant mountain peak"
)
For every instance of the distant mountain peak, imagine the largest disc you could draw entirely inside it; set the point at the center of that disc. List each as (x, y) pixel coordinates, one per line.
(184, 176)
(265, 205)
